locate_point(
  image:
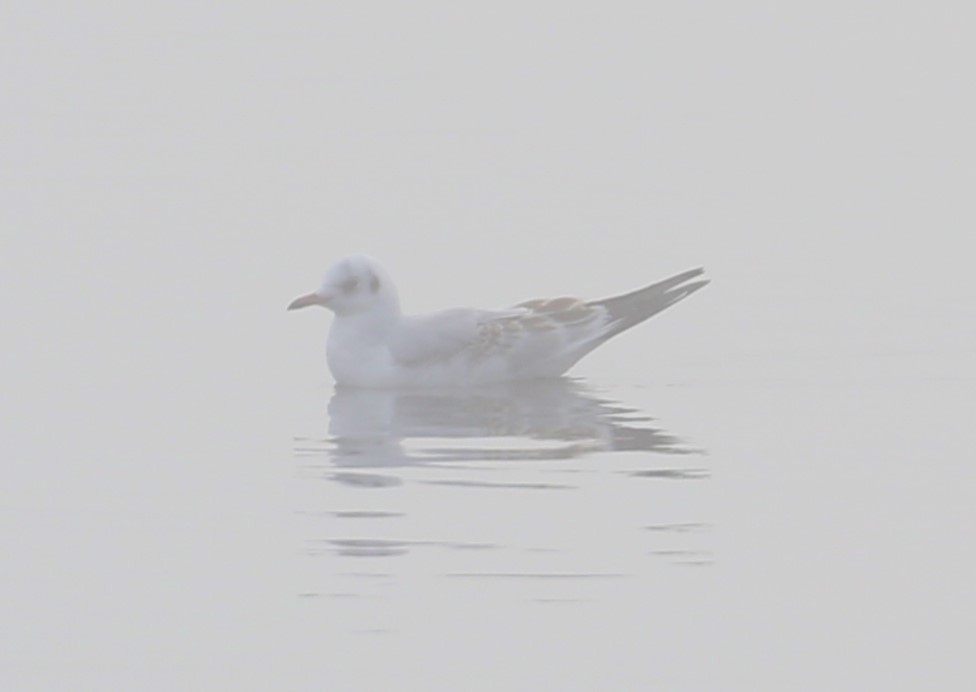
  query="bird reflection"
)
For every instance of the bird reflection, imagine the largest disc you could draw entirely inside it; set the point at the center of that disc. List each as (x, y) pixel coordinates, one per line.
(538, 420)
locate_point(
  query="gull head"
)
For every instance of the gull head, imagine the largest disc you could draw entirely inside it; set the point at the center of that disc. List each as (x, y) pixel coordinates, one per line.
(353, 285)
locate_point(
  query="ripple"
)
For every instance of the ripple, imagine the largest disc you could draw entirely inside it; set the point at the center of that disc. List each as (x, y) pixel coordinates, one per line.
(366, 480)
(382, 547)
(517, 486)
(672, 474)
(537, 575)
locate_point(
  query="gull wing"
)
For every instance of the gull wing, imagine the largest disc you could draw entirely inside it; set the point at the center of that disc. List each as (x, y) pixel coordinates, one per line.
(534, 333)
(537, 338)
(442, 336)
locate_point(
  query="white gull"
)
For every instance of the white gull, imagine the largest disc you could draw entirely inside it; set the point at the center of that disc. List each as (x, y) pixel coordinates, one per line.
(373, 344)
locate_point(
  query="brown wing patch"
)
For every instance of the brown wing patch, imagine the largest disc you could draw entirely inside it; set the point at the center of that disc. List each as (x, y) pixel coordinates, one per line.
(554, 312)
(558, 304)
(537, 323)
(577, 313)
(539, 316)
(495, 337)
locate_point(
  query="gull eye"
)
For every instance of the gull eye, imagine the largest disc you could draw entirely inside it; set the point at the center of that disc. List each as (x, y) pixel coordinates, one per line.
(349, 284)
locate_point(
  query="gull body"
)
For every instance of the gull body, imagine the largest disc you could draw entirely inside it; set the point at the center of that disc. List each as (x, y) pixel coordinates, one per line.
(373, 344)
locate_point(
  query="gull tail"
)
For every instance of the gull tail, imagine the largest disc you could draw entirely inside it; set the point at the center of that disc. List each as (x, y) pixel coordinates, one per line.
(633, 308)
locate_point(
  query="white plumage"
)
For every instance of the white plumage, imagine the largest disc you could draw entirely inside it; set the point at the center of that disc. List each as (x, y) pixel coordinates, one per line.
(372, 344)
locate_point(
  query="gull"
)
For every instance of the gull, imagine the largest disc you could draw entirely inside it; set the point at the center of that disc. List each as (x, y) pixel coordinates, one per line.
(372, 344)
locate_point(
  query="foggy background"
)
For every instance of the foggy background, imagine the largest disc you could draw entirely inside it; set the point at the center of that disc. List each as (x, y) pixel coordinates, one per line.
(175, 173)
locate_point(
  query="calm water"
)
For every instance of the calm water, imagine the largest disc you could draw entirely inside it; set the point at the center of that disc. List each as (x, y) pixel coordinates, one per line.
(768, 487)
(722, 529)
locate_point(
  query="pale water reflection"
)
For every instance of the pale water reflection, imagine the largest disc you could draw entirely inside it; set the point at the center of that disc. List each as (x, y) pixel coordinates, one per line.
(444, 461)
(538, 420)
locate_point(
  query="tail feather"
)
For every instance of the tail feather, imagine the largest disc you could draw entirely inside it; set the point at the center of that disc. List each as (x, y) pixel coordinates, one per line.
(633, 308)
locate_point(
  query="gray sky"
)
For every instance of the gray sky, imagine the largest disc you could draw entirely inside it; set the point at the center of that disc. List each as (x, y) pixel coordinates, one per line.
(172, 165)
